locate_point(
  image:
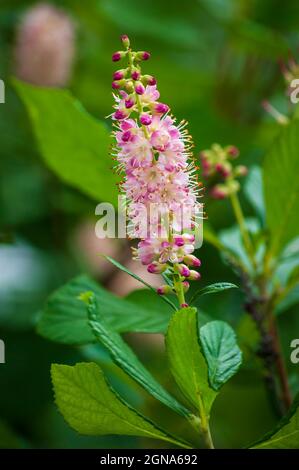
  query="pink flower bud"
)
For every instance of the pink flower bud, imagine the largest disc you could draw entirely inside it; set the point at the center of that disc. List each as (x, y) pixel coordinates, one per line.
(241, 170)
(150, 80)
(184, 270)
(115, 85)
(135, 75)
(118, 75)
(224, 169)
(129, 103)
(184, 305)
(194, 275)
(117, 56)
(139, 88)
(125, 40)
(161, 108)
(156, 268)
(145, 119)
(233, 151)
(119, 115)
(179, 241)
(126, 136)
(219, 192)
(188, 237)
(163, 290)
(145, 55)
(191, 260)
(186, 286)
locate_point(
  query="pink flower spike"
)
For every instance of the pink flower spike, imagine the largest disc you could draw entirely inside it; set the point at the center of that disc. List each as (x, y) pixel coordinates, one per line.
(139, 88)
(145, 119)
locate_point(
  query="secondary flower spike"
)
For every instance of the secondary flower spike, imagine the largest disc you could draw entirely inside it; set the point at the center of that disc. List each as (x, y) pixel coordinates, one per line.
(153, 153)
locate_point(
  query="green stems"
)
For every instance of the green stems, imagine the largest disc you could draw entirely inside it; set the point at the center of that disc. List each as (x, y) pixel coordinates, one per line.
(243, 229)
(178, 286)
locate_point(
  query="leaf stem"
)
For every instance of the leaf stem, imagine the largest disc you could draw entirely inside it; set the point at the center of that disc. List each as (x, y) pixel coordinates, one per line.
(243, 229)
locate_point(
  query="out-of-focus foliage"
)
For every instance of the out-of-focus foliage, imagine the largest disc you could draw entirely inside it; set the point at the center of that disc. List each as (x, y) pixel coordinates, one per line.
(215, 61)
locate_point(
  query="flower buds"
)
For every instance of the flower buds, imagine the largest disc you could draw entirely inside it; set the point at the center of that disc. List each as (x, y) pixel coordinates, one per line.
(125, 40)
(142, 55)
(145, 119)
(118, 56)
(165, 289)
(191, 260)
(139, 88)
(194, 275)
(184, 270)
(156, 268)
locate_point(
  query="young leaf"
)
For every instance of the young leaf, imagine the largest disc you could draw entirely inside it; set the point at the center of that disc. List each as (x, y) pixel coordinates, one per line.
(187, 362)
(286, 435)
(221, 351)
(64, 318)
(124, 269)
(125, 358)
(213, 289)
(92, 407)
(73, 144)
(281, 186)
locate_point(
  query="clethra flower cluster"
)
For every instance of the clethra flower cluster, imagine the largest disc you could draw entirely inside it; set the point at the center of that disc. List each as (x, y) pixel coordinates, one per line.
(160, 181)
(218, 168)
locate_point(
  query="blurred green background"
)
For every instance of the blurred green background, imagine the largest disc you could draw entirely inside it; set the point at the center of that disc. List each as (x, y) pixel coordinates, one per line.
(215, 61)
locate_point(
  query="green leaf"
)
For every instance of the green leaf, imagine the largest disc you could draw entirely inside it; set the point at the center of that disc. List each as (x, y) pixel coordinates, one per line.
(92, 407)
(286, 434)
(126, 359)
(213, 289)
(125, 270)
(64, 318)
(73, 144)
(221, 351)
(281, 186)
(253, 190)
(187, 362)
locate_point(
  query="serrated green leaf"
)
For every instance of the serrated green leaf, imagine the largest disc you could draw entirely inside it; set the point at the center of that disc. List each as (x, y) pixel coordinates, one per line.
(187, 362)
(126, 359)
(213, 289)
(286, 434)
(221, 351)
(64, 318)
(90, 405)
(138, 278)
(73, 144)
(281, 187)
